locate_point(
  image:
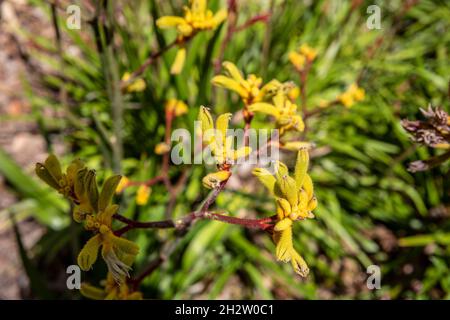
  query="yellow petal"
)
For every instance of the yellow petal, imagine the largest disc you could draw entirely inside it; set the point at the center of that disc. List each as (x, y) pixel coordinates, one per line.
(229, 83)
(233, 71)
(222, 126)
(106, 215)
(296, 145)
(308, 186)
(54, 167)
(198, 7)
(301, 166)
(303, 199)
(242, 152)
(270, 89)
(299, 265)
(92, 292)
(285, 206)
(122, 184)
(265, 177)
(108, 189)
(284, 245)
(265, 108)
(178, 63)
(125, 245)
(312, 204)
(88, 255)
(205, 118)
(44, 175)
(72, 170)
(219, 17)
(169, 21)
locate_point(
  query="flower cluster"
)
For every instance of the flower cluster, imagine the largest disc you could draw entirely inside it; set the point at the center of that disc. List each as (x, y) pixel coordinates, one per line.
(304, 54)
(352, 95)
(221, 146)
(196, 18)
(95, 210)
(295, 200)
(274, 98)
(282, 109)
(434, 132)
(137, 85)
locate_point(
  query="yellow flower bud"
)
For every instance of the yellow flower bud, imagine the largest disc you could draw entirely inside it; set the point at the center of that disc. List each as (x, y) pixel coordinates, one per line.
(178, 63)
(122, 184)
(285, 207)
(298, 60)
(308, 52)
(162, 148)
(213, 180)
(143, 194)
(177, 107)
(137, 85)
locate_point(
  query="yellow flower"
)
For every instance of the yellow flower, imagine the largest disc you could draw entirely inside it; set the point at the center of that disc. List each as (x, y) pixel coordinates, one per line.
(302, 55)
(295, 201)
(196, 17)
(283, 110)
(162, 148)
(122, 184)
(77, 184)
(51, 173)
(137, 85)
(249, 89)
(117, 252)
(309, 52)
(352, 95)
(112, 290)
(177, 107)
(216, 138)
(297, 59)
(143, 194)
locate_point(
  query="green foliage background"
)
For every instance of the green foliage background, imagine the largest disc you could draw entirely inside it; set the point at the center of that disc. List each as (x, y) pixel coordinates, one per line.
(367, 198)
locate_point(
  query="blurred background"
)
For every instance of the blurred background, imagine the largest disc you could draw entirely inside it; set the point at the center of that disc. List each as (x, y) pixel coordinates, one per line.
(56, 96)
